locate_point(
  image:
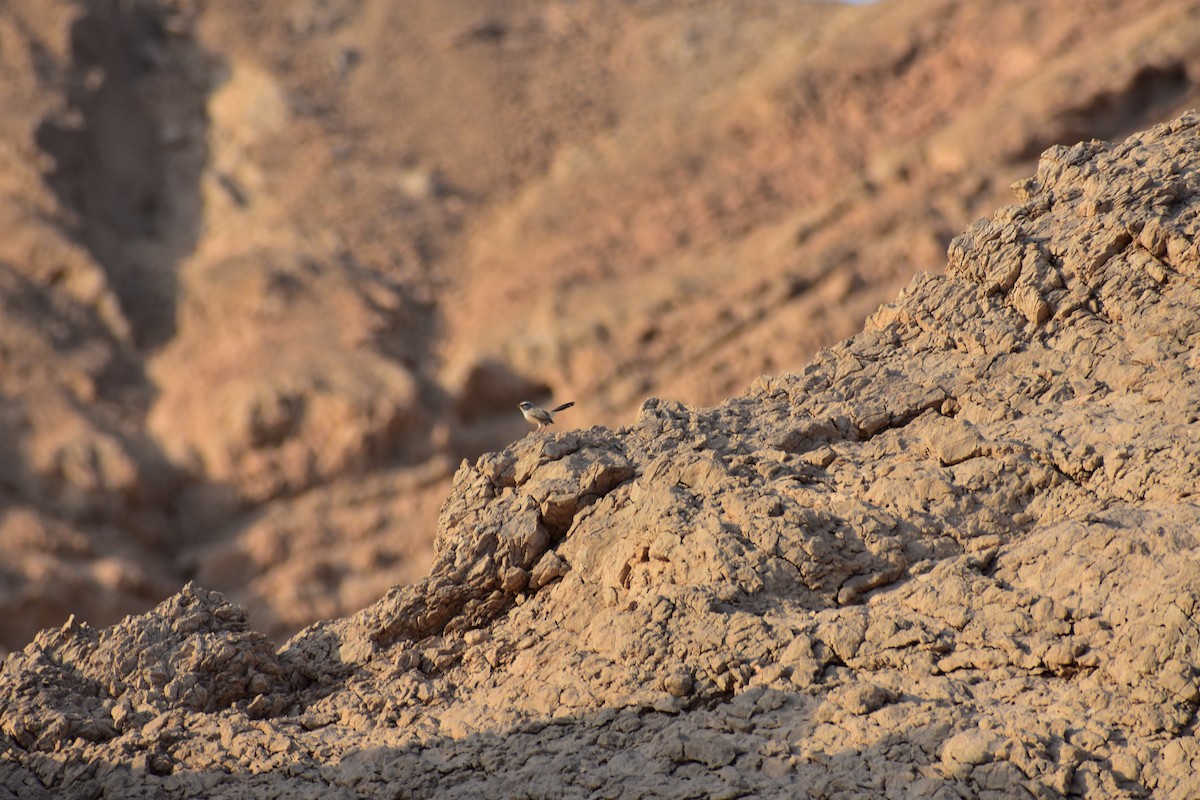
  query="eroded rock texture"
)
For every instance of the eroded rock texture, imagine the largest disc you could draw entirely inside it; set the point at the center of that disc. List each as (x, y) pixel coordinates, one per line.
(954, 556)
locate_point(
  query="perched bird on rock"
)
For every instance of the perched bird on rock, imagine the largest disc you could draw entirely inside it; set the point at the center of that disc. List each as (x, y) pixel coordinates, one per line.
(540, 416)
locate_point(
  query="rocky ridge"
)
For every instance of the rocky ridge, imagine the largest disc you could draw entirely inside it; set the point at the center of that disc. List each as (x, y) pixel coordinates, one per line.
(954, 555)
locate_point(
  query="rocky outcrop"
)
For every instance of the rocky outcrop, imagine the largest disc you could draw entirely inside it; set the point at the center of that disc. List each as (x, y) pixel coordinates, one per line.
(953, 555)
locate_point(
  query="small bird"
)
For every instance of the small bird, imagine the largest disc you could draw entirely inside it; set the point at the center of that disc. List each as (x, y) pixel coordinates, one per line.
(540, 416)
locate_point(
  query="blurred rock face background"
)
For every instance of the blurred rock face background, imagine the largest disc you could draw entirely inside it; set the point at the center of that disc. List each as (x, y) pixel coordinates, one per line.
(269, 271)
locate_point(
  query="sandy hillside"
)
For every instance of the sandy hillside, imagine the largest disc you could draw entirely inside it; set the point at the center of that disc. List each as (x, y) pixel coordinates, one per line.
(271, 270)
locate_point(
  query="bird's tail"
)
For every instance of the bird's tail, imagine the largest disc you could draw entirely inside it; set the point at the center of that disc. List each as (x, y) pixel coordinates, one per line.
(560, 408)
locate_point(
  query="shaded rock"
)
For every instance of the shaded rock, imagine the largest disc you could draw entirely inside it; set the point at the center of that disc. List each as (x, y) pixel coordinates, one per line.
(194, 652)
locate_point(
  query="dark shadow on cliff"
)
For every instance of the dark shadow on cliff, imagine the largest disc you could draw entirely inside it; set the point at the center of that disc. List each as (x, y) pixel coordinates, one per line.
(129, 151)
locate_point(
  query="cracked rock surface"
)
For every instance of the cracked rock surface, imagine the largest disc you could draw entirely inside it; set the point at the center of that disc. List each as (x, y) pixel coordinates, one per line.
(954, 556)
